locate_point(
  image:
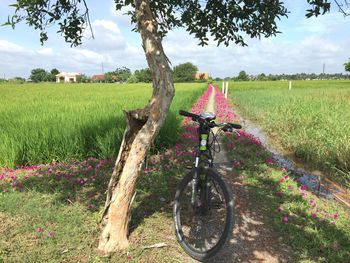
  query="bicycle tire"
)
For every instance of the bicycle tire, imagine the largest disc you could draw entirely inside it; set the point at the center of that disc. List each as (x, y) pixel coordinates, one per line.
(229, 218)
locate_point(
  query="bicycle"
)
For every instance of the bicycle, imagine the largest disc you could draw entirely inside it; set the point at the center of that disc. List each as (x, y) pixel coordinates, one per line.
(203, 207)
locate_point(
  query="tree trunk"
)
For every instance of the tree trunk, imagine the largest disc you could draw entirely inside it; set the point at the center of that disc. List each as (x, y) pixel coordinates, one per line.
(142, 127)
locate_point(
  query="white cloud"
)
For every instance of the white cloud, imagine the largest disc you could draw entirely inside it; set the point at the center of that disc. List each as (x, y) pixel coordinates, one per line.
(86, 54)
(109, 47)
(107, 25)
(115, 47)
(271, 55)
(107, 36)
(45, 51)
(9, 47)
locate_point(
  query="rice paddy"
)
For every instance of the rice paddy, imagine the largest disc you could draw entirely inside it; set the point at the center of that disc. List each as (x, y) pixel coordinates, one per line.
(311, 120)
(42, 123)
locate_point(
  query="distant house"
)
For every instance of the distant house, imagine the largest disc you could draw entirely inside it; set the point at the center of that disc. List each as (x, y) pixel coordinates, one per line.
(201, 76)
(98, 78)
(65, 77)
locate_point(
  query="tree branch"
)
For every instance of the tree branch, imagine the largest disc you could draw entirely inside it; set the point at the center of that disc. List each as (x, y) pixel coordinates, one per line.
(341, 9)
(87, 15)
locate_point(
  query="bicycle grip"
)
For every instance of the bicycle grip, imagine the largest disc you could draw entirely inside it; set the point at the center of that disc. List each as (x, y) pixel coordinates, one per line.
(188, 114)
(236, 126)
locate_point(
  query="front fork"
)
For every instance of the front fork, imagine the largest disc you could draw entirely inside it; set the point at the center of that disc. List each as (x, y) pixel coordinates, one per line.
(204, 187)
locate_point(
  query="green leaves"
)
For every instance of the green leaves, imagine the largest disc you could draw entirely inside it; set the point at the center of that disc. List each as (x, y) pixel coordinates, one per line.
(347, 66)
(185, 72)
(224, 21)
(319, 7)
(42, 14)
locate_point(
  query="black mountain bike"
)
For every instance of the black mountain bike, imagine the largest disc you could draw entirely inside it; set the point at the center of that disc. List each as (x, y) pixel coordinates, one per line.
(203, 207)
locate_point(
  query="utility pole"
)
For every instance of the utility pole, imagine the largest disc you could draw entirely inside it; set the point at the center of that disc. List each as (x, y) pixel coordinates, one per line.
(323, 71)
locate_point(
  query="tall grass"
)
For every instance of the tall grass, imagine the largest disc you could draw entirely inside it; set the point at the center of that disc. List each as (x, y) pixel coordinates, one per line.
(312, 120)
(48, 122)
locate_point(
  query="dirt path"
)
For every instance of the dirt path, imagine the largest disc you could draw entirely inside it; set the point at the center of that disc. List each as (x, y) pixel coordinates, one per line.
(251, 240)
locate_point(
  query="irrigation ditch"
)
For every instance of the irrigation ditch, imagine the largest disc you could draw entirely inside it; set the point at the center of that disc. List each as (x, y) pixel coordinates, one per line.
(315, 180)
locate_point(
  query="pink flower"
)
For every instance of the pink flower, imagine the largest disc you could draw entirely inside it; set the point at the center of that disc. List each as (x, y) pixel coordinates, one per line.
(332, 222)
(290, 187)
(269, 161)
(335, 216)
(313, 215)
(304, 195)
(40, 230)
(51, 234)
(285, 219)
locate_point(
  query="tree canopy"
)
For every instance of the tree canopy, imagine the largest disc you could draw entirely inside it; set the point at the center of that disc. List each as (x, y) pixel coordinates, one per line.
(40, 75)
(185, 72)
(226, 21)
(143, 75)
(118, 75)
(242, 76)
(347, 66)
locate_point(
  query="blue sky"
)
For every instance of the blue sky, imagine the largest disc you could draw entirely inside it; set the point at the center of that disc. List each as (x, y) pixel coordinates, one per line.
(303, 46)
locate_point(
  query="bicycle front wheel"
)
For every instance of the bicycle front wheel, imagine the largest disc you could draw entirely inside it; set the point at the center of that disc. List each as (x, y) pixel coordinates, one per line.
(203, 226)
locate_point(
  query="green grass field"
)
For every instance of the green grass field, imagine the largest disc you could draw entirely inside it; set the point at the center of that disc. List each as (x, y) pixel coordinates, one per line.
(41, 123)
(312, 120)
(51, 212)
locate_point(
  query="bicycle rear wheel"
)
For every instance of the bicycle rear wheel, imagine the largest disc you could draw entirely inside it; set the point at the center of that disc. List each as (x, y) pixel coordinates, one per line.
(202, 228)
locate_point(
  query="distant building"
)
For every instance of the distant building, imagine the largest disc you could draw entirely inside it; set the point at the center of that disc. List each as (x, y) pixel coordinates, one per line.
(65, 77)
(201, 76)
(98, 78)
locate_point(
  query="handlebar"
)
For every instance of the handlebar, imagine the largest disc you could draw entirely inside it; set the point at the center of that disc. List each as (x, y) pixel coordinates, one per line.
(189, 114)
(197, 118)
(235, 126)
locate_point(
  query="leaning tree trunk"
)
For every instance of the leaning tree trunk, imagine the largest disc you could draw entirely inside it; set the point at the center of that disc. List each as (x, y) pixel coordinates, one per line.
(142, 127)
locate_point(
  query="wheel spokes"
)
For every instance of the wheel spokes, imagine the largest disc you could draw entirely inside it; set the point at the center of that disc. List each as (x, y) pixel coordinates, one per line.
(202, 228)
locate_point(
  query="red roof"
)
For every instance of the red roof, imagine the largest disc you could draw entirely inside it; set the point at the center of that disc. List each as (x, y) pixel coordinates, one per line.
(98, 77)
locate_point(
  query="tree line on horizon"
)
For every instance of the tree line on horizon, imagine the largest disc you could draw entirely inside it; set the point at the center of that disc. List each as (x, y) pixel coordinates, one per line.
(184, 72)
(243, 76)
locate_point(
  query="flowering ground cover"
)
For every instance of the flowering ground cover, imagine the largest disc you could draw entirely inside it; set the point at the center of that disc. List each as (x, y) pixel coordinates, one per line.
(51, 212)
(42, 123)
(311, 121)
(318, 230)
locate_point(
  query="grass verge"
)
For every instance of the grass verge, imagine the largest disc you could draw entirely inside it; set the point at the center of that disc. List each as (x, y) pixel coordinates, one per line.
(316, 229)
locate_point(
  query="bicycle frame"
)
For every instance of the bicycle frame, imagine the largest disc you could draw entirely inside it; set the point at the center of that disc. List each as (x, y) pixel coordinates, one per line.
(203, 156)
